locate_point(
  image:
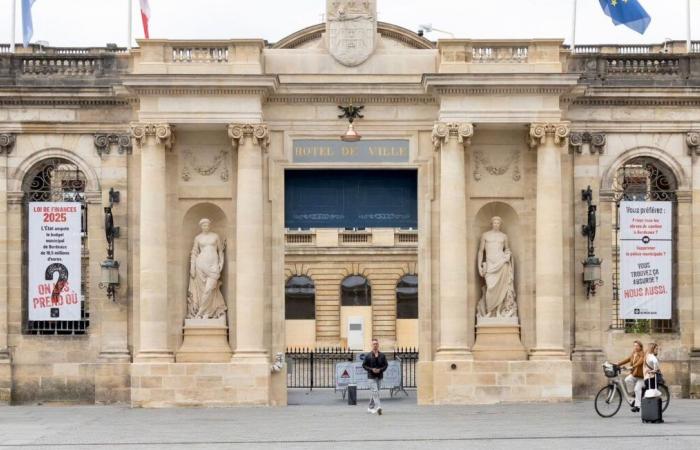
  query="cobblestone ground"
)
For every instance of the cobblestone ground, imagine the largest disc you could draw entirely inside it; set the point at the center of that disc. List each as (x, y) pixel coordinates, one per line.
(321, 420)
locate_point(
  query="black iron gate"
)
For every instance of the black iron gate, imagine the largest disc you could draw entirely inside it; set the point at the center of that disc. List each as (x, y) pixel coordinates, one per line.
(315, 368)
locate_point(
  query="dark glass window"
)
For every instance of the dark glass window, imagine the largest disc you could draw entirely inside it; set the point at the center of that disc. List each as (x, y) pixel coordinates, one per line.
(356, 291)
(407, 297)
(300, 298)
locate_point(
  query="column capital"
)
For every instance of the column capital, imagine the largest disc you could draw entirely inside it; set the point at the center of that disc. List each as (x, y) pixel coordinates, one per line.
(693, 141)
(162, 132)
(258, 132)
(559, 131)
(104, 142)
(7, 143)
(597, 141)
(444, 131)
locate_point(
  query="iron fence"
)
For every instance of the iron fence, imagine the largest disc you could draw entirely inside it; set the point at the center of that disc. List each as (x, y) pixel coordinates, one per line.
(310, 368)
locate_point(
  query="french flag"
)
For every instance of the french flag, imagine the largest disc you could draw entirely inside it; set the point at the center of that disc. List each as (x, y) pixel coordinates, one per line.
(145, 16)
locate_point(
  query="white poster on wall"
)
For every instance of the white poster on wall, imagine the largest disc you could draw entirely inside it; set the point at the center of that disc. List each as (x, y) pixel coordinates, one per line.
(646, 260)
(54, 272)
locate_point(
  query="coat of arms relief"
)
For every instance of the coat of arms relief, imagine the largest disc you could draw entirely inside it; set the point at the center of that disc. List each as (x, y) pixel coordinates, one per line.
(351, 29)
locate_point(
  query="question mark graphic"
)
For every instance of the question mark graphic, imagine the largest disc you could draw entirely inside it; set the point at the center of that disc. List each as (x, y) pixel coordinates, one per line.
(60, 283)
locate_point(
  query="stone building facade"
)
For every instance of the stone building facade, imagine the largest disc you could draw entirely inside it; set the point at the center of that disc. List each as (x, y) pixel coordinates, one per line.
(191, 129)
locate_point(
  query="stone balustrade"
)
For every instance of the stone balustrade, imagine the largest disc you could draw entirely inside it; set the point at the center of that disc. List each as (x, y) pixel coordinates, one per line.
(371, 237)
(242, 56)
(672, 47)
(466, 55)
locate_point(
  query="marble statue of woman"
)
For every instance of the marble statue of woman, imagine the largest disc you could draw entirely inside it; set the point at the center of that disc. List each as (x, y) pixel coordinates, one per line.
(204, 298)
(498, 295)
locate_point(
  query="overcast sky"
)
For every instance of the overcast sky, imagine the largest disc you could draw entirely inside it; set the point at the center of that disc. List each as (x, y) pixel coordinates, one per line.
(96, 22)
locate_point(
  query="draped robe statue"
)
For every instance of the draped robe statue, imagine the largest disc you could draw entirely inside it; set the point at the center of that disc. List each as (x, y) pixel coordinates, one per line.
(204, 298)
(498, 294)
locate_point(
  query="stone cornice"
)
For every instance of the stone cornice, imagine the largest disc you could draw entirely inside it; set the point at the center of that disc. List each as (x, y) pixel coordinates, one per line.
(63, 128)
(162, 132)
(262, 85)
(104, 142)
(258, 132)
(506, 84)
(444, 131)
(693, 141)
(357, 99)
(597, 141)
(7, 143)
(559, 131)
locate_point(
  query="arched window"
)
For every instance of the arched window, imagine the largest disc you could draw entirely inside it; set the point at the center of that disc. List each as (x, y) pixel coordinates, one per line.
(300, 298)
(643, 179)
(55, 180)
(355, 291)
(407, 297)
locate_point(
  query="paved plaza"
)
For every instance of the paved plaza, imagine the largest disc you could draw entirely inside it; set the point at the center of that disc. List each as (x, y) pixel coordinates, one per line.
(320, 420)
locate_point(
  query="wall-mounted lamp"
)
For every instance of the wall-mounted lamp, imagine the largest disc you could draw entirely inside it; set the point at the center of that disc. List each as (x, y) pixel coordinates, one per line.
(109, 279)
(591, 266)
(351, 113)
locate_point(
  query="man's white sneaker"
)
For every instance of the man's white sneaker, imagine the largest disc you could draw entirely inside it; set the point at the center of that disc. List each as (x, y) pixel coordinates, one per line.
(370, 410)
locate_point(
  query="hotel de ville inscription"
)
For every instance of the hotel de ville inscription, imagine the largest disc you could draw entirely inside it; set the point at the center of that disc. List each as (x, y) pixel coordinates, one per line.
(351, 29)
(367, 151)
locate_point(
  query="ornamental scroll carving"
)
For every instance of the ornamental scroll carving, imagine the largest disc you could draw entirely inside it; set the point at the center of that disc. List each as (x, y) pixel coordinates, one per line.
(256, 131)
(497, 170)
(539, 132)
(104, 143)
(7, 143)
(442, 132)
(161, 132)
(693, 141)
(191, 164)
(597, 142)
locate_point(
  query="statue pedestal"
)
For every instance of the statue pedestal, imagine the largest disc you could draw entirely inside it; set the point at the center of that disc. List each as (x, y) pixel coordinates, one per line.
(498, 340)
(204, 340)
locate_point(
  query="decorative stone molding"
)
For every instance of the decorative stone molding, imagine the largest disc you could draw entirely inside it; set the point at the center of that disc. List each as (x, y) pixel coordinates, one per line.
(693, 141)
(497, 170)
(461, 131)
(597, 141)
(104, 142)
(539, 132)
(191, 164)
(256, 131)
(7, 143)
(162, 132)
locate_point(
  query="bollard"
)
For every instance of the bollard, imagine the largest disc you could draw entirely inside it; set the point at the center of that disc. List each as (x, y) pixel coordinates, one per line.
(352, 394)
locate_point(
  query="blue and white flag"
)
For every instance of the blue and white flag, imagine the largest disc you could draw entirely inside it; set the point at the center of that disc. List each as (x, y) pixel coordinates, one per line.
(627, 12)
(27, 25)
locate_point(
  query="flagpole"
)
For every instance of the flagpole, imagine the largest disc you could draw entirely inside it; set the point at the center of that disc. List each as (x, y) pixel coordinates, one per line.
(573, 27)
(130, 18)
(689, 43)
(13, 14)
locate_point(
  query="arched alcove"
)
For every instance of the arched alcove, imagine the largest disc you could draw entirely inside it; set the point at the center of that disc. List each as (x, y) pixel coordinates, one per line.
(512, 228)
(189, 230)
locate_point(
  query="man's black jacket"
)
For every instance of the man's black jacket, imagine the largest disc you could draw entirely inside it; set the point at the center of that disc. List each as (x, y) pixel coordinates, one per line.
(375, 362)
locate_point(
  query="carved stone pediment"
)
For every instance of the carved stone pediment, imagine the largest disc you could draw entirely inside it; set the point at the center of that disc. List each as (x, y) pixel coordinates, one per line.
(352, 30)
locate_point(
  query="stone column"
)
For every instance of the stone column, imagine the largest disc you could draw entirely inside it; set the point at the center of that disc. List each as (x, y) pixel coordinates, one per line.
(7, 142)
(153, 139)
(451, 140)
(251, 140)
(547, 139)
(693, 141)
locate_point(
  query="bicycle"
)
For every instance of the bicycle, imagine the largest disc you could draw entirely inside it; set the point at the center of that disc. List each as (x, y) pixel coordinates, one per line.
(609, 398)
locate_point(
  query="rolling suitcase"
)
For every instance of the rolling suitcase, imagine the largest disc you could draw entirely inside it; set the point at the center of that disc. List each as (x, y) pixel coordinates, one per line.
(652, 408)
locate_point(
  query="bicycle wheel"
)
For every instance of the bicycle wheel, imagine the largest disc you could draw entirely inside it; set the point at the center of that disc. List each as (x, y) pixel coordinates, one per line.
(665, 397)
(608, 401)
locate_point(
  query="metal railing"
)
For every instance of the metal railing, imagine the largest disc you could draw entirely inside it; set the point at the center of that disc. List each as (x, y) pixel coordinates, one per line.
(309, 368)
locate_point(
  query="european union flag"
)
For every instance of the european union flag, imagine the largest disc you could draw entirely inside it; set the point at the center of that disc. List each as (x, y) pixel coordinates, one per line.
(627, 12)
